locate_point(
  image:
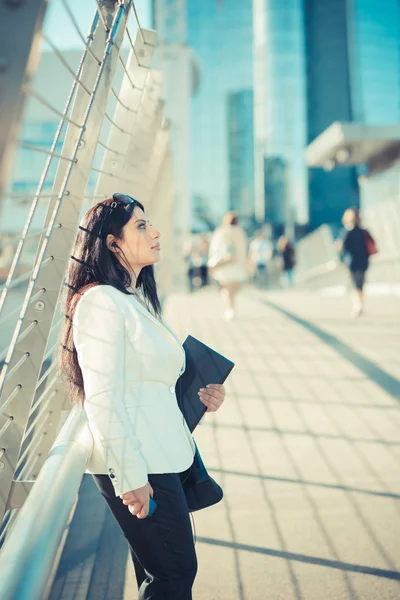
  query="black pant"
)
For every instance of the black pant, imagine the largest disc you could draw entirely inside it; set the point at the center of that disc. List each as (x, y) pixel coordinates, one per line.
(162, 547)
(358, 279)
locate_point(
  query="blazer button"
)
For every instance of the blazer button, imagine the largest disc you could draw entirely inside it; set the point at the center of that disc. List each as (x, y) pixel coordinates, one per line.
(112, 476)
(172, 389)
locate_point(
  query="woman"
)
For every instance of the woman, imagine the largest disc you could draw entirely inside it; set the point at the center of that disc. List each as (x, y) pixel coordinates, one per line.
(287, 252)
(227, 259)
(357, 245)
(122, 361)
(260, 253)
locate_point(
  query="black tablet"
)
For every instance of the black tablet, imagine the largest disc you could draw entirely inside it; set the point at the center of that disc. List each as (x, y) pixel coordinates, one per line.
(203, 366)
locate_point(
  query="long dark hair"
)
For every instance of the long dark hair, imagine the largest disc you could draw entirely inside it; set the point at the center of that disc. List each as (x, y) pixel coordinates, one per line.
(92, 263)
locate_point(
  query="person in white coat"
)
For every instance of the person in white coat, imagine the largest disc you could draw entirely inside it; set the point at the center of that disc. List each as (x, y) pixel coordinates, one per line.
(121, 361)
(228, 260)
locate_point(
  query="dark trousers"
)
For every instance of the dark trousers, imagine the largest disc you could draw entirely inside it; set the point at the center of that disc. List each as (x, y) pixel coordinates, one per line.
(162, 547)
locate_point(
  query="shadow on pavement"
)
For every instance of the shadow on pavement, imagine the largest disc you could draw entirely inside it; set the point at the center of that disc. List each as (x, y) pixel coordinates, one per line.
(333, 564)
(390, 384)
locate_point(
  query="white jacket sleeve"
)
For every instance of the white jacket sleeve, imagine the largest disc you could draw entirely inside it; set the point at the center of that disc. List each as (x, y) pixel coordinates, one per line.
(99, 337)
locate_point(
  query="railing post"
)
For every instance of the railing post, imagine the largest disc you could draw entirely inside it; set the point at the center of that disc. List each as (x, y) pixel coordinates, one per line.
(20, 384)
(117, 166)
(28, 553)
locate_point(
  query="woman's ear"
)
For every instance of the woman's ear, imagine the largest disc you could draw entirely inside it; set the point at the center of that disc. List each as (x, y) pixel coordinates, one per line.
(111, 243)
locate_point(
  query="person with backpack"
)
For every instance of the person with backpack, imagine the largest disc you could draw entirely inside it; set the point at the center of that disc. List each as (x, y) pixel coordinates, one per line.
(357, 246)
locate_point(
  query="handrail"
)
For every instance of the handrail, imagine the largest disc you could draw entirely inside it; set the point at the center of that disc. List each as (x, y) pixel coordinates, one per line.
(28, 553)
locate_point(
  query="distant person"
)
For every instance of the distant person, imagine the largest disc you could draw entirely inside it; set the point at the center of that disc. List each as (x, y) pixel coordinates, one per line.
(288, 254)
(227, 260)
(197, 260)
(260, 253)
(357, 245)
(204, 251)
(192, 258)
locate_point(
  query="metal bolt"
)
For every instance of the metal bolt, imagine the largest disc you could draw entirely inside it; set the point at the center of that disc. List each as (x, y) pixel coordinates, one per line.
(82, 143)
(40, 305)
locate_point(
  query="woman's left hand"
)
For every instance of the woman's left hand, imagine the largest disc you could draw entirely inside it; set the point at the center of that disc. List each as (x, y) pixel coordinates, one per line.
(212, 396)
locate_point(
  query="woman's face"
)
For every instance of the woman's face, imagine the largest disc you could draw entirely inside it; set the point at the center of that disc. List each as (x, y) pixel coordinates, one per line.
(140, 242)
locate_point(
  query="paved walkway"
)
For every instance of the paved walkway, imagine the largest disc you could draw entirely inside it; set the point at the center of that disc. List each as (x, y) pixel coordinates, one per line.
(306, 447)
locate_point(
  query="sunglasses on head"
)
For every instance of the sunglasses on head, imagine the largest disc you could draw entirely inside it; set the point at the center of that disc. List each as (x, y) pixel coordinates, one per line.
(121, 199)
(118, 200)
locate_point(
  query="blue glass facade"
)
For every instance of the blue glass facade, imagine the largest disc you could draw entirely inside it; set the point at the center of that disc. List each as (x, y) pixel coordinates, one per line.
(353, 74)
(325, 61)
(220, 34)
(328, 100)
(376, 61)
(285, 101)
(241, 152)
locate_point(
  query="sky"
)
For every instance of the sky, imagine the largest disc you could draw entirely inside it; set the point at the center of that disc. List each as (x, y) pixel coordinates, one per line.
(60, 30)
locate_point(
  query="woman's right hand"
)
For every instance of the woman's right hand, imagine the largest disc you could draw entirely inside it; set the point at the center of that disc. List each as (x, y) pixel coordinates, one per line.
(138, 501)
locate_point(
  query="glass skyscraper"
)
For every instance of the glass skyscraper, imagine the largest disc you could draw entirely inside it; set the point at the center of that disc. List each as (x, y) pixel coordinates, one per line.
(325, 61)
(240, 152)
(220, 33)
(375, 64)
(285, 96)
(353, 74)
(328, 100)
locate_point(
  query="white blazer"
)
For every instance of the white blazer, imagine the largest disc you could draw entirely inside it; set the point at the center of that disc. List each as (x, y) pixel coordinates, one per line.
(130, 363)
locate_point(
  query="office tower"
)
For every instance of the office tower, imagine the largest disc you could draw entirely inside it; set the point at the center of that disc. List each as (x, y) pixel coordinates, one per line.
(353, 74)
(241, 152)
(325, 61)
(284, 118)
(375, 63)
(220, 34)
(328, 100)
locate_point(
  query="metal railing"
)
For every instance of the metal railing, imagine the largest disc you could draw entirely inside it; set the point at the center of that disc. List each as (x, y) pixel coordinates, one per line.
(28, 554)
(108, 137)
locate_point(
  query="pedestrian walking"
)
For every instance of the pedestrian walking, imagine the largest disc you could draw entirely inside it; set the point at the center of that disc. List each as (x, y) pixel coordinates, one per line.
(121, 361)
(197, 260)
(204, 251)
(227, 260)
(356, 245)
(288, 254)
(260, 253)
